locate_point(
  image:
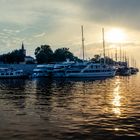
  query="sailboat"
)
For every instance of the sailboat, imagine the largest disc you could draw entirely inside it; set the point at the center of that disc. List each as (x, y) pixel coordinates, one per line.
(133, 68)
(125, 70)
(90, 69)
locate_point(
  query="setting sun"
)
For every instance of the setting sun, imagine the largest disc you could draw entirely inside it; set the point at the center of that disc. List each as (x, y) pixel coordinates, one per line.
(115, 35)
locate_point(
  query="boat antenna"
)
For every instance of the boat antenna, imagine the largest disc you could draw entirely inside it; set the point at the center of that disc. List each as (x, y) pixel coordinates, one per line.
(83, 46)
(103, 45)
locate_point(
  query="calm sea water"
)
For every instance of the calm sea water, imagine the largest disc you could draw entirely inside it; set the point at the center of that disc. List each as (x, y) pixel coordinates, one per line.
(41, 109)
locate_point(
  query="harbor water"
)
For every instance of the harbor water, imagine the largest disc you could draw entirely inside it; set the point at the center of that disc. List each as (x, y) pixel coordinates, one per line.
(47, 109)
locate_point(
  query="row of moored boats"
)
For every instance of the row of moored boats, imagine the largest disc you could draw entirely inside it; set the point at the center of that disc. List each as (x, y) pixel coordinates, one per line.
(78, 70)
(70, 70)
(82, 70)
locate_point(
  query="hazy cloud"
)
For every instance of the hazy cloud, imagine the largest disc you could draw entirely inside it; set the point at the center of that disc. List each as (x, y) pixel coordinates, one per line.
(39, 35)
(57, 22)
(112, 12)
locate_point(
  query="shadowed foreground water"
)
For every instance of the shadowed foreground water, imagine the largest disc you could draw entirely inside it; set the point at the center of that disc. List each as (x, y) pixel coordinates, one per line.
(70, 109)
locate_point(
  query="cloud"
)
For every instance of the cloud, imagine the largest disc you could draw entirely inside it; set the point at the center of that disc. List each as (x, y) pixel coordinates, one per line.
(112, 12)
(11, 32)
(58, 22)
(51, 13)
(28, 12)
(40, 35)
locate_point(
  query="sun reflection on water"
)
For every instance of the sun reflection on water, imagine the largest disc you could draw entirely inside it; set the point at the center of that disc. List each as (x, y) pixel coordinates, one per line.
(116, 102)
(116, 129)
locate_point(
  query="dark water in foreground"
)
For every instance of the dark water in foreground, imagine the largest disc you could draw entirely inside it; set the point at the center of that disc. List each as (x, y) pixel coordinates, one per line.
(70, 109)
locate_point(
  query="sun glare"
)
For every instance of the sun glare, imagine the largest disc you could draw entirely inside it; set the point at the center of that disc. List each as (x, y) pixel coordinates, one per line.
(115, 35)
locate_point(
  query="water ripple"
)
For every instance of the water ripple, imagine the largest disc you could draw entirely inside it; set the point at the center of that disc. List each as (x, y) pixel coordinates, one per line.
(70, 108)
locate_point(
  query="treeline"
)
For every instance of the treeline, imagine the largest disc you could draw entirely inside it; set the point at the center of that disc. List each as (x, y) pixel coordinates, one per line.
(98, 59)
(44, 54)
(15, 56)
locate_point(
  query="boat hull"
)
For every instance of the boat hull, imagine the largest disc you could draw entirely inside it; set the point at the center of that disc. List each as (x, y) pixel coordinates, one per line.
(91, 75)
(14, 77)
(10, 73)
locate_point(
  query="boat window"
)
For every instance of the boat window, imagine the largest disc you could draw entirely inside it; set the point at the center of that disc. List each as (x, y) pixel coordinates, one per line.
(40, 71)
(73, 71)
(86, 71)
(91, 67)
(91, 71)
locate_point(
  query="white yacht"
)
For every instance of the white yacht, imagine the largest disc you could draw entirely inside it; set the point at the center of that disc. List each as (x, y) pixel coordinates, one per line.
(11, 73)
(42, 70)
(90, 70)
(60, 68)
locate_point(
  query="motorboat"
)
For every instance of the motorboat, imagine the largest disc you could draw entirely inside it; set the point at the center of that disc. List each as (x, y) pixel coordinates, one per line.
(43, 70)
(124, 71)
(90, 70)
(11, 73)
(60, 68)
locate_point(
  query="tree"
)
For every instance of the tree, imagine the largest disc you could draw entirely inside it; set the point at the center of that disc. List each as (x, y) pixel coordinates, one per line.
(96, 58)
(62, 54)
(44, 54)
(109, 60)
(15, 56)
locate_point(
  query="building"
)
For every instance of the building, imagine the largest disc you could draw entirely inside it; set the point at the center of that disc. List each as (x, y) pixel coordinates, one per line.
(23, 49)
(29, 60)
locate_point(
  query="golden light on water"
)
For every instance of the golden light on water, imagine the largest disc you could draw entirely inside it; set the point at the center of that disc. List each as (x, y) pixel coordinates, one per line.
(115, 35)
(116, 129)
(116, 99)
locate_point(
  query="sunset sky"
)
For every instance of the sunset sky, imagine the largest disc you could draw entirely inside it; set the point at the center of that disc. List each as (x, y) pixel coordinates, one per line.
(58, 23)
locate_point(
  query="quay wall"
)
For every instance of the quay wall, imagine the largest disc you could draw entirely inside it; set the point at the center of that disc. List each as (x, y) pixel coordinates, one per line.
(27, 68)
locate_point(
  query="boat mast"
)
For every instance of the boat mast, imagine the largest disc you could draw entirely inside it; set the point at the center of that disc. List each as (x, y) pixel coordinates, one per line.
(120, 52)
(128, 61)
(116, 55)
(135, 64)
(83, 46)
(103, 45)
(132, 61)
(123, 56)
